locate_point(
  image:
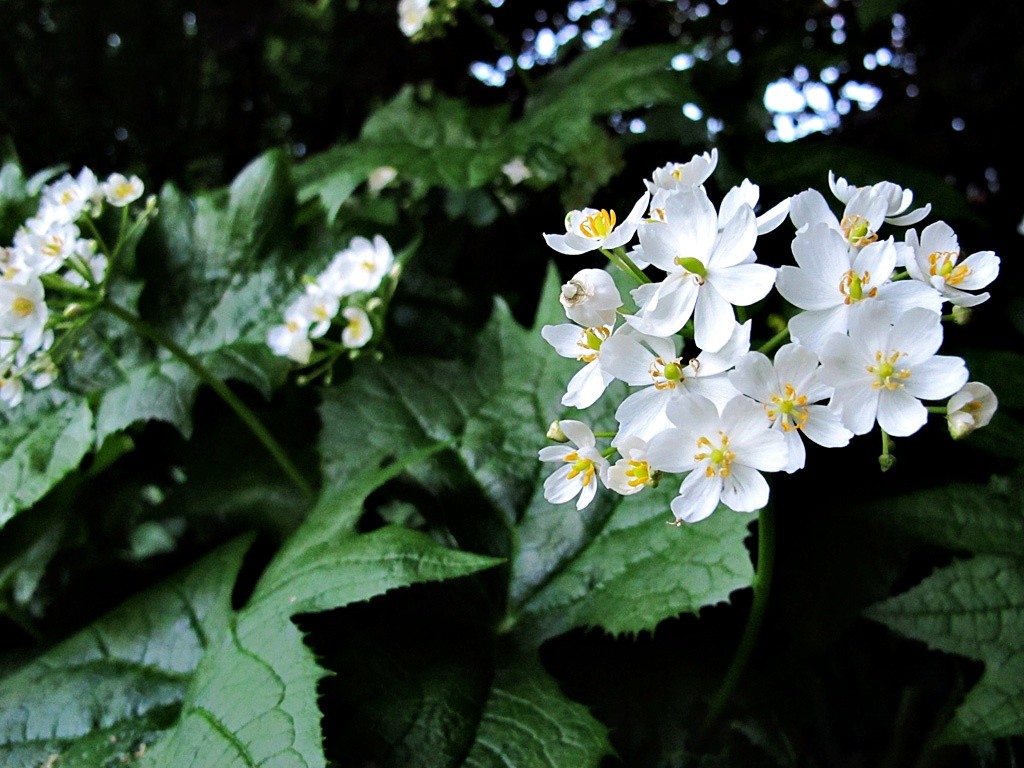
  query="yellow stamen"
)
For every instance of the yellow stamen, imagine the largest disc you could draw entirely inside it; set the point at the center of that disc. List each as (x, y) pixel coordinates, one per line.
(22, 307)
(598, 224)
(852, 286)
(666, 375)
(580, 466)
(719, 458)
(886, 374)
(590, 341)
(943, 264)
(791, 408)
(858, 230)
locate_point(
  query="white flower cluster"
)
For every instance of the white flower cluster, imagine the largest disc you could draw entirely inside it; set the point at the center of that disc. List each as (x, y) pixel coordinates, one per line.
(50, 251)
(358, 269)
(862, 351)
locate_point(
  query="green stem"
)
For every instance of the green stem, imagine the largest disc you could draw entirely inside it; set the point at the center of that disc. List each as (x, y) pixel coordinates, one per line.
(91, 226)
(623, 262)
(937, 409)
(762, 589)
(886, 460)
(605, 434)
(774, 342)
(241, 409)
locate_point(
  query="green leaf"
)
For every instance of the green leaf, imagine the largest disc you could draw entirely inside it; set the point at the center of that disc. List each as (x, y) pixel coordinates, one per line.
(637, 570)
(159, 391)
(498, 404)
(41, 441)
(975, 518)
(973, 608)
(528, 723)
(253, 701)
(122, 675)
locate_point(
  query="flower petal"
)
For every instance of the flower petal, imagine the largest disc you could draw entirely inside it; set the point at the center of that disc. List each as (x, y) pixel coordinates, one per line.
(745, 489)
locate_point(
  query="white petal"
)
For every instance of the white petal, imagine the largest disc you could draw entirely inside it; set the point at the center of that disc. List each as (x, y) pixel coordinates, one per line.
(668, 310)
(554, 452)
(713, 319)
(625, 358)
(858, 406)
(918, 333)
(587, 386)
(814, 329)
(643, 413)
(802, 289)
(564, 338)
(745, 489)
(797, 451)
(773, 217)
(984, 267)
(937, 378)
(900, 413)
(755, 377)
(910, 218)
(578, 432)
(560, 244)
(824, 427)
(558, 489)
(743, 284)
(809, 207)
(698, 497)
(667, 452)
(735, 242)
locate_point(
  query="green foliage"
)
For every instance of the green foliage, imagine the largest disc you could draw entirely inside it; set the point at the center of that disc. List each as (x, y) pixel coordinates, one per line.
(974, 608)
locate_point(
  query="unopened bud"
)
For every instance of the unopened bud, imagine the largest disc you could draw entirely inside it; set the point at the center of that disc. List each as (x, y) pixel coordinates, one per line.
(885, 461)
(962, 315)
(73, 310)
(555, 432)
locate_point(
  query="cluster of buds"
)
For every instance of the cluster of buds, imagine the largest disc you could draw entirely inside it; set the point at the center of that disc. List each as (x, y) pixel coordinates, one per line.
(47, 271)
(345, 287)
(862, 351)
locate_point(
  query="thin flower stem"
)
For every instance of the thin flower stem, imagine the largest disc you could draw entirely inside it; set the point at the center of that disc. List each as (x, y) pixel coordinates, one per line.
(241, 409)
(937, 409)
(91, 226)
(886, 460)
(762, 590)
(774, 342)
(605, 434)
(623, 262)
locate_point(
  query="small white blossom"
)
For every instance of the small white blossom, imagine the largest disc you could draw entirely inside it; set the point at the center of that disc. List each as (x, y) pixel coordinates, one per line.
(788, 390)
(583, 344)
(590, 298)
(360, 267)
(935, 260)
(580, 466)
(517, 171)
(708, 270)
(23, 313)
(897, 199)
(632, 473)
(591, 229)
(412, 15)
(863, 215)
(692, 173)
(358, 330)
(970, 408)
(882, 371)
(120, 190)
(723, 453)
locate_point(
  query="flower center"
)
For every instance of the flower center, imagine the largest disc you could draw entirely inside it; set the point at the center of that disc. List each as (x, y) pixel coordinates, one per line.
(598, 224)
(854, 287)
(639, 473)
(123, 190)
(719, 458)
(693, 266)
(590, 341)
(580, 466)
(669, 375)
(886, 374)
(789, 408)
(857, 230)
(574, 292)
(53, 246)
(22, 307)
(943, 264)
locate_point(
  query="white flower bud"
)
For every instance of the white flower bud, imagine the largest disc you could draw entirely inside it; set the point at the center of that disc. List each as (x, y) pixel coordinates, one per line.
(970, 408)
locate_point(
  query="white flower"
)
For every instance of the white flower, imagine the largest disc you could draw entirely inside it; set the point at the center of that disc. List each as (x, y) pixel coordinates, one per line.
(832, 280)
(412, 15)
(12, 389)
(788, 391)
(897, 199)
(516, 170)
(651, 362)
(724, 455)
(970, 408)
(360, 267)
(583, 344)
(590, 298)
(65, 199)
(708, 271)
(936, 261)
(748, 194)
(882, 371)
(692, 173)
(631, 474)
(45, 252)
(863, 215)
(380, 177)
(292, 339)
(590, 229)
(23, 313)
(579, 469)
(121, 191)
(358, 330)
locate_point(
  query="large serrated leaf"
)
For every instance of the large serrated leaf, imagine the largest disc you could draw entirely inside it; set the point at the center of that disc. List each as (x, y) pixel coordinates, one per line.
(528, 723)
(253, 701)
(121, 676)
(40, 443)
(638, 570)
(974, 608)
(983, 519)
